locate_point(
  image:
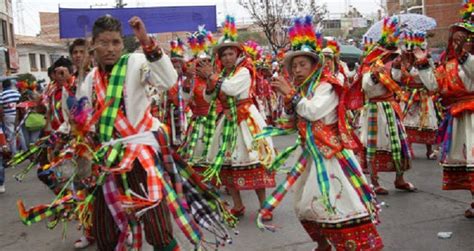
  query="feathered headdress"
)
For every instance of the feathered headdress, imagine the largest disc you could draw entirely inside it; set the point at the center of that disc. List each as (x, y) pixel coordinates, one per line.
(368, 44)
(253, 50)
(303, 36)
(230, 35)
(230, 31)
(304, 40)
(199, 43)
(413, 39)
(177, 48)
(334, 46)
(467, 11)
(390, 32)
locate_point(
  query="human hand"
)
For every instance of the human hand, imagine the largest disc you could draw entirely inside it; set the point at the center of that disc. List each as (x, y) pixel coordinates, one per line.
(139, 29)
(281, 85)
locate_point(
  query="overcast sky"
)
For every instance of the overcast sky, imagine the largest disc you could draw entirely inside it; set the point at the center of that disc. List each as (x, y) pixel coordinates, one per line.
(31, 8)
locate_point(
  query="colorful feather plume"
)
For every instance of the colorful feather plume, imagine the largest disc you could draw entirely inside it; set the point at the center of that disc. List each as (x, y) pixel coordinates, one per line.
(303, 35)
(390, 32)
(467, 9)
(230, 31)
(25, 85)
(413, 39)
(253, 50)
(334, 46)
(200, 41)
(177, 48)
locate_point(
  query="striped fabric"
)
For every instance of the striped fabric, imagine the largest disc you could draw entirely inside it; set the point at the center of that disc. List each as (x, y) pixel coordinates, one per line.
(395, 143)
(272, 201)
(372, 130)
(9, 99)
(229, 139)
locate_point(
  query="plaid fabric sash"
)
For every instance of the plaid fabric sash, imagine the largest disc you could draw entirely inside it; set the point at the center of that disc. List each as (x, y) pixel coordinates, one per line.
(395, 143)
(189, 144)
(113, 117)
(229, 138)
(145, 154)
(372, 130)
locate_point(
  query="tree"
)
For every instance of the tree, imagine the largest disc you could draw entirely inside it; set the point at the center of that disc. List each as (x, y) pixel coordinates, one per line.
(275, 17)
(130, 43)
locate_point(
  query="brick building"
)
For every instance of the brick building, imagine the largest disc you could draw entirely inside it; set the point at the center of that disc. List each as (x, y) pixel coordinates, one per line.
(8, 55)
(49, 26)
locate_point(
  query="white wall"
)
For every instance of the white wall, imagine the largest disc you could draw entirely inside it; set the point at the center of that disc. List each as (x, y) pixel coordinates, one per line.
(25, 50)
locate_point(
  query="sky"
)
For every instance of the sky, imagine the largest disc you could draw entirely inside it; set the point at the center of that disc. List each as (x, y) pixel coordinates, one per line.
(31, 24)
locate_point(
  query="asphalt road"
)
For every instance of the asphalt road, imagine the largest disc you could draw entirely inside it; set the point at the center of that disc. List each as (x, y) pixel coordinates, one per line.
(410, 221)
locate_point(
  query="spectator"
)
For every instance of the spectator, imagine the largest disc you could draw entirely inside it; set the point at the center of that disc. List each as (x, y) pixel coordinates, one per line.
(9, 98)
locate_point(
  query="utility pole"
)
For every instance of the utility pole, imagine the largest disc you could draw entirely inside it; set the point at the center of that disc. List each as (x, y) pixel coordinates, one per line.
(120, 4)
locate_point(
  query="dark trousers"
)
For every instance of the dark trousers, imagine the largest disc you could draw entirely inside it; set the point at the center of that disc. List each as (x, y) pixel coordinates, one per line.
(156, 221)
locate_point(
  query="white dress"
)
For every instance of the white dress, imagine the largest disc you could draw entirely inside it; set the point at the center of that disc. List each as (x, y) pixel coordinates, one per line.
(247, 155)
(308, 205)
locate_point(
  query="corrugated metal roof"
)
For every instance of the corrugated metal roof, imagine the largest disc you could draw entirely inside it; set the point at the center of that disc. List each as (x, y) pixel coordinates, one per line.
(30, 40)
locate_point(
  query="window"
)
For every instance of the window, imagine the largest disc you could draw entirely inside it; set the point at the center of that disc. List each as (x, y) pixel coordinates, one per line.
(53, 58)
(4, 29)
(2, 32)
(43, 62)
(332, 24)
(12, 36)
(33, 65)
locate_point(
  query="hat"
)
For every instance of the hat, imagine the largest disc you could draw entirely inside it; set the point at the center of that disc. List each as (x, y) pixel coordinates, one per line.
(334, 46)
(199, 43)
(388, 42)
(304, 40)
(230, 35)
(177, 49)
(328, 52)
(466, 25)
(253, 50)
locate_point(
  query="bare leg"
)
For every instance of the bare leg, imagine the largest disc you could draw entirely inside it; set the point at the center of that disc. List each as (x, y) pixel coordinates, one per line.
(429, 151)
(260, 195)
(236, 198)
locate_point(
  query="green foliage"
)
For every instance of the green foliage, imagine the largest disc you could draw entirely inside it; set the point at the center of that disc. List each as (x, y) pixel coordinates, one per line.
(28, 77)
(130, 44)
(251, 35)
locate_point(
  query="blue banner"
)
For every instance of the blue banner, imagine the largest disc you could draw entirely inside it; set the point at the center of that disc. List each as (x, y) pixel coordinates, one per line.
(74, 23)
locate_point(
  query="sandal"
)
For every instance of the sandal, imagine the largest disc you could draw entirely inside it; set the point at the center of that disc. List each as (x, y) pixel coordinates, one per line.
(469, 213)
(407, 186)
(83, 242)
(267, 216)
(432, 155)
(238, 212)
(380, 190)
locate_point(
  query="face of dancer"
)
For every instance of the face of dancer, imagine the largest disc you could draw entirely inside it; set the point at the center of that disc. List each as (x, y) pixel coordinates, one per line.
(108, 48)
(178, 66)
(228, 57)
(301, 68)
(78, 56)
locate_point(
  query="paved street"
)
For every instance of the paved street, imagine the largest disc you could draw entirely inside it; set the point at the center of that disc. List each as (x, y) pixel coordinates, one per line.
(410, 221)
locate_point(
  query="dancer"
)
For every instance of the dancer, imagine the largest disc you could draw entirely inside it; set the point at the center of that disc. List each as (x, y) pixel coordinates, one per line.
(333, 201)
(382, 132)
(418, 103)
(237, 161)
